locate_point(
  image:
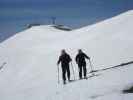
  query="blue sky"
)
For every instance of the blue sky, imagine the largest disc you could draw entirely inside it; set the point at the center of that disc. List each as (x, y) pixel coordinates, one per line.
(15, 14)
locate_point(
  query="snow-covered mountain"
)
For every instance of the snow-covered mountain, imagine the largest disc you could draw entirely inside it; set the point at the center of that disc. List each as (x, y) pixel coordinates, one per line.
(30, 71)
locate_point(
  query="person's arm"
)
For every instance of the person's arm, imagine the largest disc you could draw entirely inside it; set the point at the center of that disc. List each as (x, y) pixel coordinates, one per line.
(76, 59)
(58, 62)
(87, 57)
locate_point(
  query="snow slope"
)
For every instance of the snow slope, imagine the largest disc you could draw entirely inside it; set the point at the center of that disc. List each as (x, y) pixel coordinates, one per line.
(30, 72)
(110, 42)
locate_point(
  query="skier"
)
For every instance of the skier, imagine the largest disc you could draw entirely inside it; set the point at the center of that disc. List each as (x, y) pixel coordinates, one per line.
(64, 59)
(80, 60)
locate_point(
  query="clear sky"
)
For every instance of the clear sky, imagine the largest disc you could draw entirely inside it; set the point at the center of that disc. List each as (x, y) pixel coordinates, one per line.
(16, 14)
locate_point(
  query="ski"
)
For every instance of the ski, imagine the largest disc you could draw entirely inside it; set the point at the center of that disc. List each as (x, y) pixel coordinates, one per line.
(89, 76)
(1, 67)
(93, 75)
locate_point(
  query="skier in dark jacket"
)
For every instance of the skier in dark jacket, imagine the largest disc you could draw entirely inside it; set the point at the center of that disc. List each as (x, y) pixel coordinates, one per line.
(80, 60)
(64, 59)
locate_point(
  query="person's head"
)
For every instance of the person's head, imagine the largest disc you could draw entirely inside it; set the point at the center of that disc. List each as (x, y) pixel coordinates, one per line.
(63, 51)
(79, 51)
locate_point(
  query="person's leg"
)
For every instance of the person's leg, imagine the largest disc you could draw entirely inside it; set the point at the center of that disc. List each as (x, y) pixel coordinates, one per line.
(80, 71)
(84, 69)
(68, 72)
(64, 74)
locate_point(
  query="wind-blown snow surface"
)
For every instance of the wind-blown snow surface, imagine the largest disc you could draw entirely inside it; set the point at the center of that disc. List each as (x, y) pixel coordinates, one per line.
(30, 72)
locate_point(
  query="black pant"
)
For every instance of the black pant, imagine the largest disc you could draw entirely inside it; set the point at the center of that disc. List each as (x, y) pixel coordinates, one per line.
(82, 66)
(65, 69)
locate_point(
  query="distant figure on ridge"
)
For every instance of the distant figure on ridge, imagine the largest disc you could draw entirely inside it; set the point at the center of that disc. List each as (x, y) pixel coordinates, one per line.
(65, 59)
(80, 60)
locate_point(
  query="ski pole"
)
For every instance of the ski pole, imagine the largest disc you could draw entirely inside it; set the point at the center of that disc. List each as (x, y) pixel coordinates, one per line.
(73, 70)
(91, 67)
(58, 73)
